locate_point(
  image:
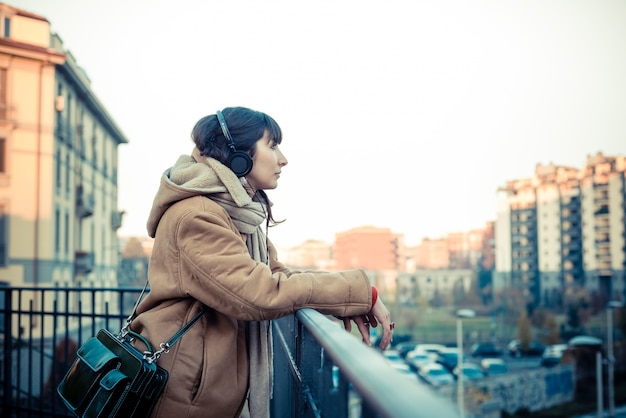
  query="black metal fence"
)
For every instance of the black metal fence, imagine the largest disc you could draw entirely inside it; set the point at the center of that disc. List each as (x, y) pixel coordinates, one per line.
(41, 329)
(320, 370)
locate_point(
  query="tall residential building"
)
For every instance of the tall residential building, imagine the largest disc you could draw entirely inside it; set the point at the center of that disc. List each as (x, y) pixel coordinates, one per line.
(603, 204)
(563, 230)
(58, 163)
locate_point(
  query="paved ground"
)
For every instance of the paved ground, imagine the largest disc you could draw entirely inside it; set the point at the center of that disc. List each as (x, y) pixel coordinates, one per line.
(620, 412)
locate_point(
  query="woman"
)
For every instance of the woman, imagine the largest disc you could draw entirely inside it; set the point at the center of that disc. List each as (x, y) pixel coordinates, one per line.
(209, 220)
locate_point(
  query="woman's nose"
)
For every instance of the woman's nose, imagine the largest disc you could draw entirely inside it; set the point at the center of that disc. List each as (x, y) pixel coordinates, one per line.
(282, 160)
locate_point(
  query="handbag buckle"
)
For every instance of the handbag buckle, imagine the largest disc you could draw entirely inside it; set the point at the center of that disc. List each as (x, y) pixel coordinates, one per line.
(153, 357)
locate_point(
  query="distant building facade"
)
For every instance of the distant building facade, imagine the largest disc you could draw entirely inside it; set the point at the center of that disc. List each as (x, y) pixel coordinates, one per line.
(311, 254)
(457, 250)
(431, 254)
(563, 230)
(370, 248)
(58, 163)
(435, 287)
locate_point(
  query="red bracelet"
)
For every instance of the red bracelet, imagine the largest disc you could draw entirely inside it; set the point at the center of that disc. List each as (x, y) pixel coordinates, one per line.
(374, 296)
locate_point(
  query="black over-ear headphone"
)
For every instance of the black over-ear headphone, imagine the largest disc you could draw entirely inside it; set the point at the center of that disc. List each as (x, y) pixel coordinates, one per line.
(238, 161)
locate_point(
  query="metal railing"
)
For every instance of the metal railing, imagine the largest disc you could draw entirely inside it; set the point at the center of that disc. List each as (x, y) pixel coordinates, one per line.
(320, 370)
(323, 371)
(42, 327)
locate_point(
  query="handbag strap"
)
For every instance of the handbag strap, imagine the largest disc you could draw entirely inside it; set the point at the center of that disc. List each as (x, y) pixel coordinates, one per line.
(149, 355)
(165, 347)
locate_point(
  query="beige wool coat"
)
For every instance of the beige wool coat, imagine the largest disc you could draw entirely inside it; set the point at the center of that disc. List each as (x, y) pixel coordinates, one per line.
(200, 258)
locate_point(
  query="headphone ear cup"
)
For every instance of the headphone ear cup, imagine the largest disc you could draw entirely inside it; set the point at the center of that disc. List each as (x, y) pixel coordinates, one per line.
(240, 163)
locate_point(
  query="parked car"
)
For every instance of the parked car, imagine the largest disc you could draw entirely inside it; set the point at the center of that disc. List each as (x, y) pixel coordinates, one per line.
(552, 355)
(429, 348)
(396, 361)
(471, 371)
(416, 359)
(516, 349)
(448, 357)
(393, 356)
(405, 347)
(487, 349)
(401, 367)
(435, 374)
(493, 366)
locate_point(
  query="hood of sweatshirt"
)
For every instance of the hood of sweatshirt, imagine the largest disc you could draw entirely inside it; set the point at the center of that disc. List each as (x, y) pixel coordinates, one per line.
(194, 175)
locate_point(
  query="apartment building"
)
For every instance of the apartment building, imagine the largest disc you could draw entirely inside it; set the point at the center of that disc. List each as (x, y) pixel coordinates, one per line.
(457, 250)
(431, 253)
(311, 254)
(370, 248)
(58, 163)
(563, 230)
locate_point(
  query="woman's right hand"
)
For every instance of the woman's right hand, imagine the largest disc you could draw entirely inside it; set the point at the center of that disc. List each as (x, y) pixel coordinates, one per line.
(379, 314)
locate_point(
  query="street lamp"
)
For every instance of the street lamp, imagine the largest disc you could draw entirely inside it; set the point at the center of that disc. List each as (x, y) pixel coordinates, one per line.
(460, 314)
(609, 354)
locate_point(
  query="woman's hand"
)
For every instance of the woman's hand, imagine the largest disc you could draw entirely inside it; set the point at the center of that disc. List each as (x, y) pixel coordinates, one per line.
(378, 315)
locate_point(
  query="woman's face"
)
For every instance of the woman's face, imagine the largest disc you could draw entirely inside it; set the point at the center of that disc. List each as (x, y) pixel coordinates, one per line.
(267, 164)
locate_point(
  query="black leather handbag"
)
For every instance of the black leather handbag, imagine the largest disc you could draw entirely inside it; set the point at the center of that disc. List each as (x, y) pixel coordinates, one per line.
(111, 378)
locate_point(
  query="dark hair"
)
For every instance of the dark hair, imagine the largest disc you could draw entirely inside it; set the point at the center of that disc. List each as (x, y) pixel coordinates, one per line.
(246, 127)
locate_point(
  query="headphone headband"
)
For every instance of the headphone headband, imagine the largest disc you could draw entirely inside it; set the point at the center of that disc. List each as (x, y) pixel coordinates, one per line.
(225, 130)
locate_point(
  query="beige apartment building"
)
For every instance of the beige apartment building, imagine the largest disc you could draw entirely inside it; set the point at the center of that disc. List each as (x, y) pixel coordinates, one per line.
(562, 231)
(58, 163)
(311, 254)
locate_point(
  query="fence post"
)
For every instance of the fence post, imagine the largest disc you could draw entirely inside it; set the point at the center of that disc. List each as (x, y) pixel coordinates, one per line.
(600, 394)
(7, 308)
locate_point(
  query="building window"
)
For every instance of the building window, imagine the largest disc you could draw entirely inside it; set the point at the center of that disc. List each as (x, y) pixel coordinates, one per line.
(3, 155)
(3, 93)
(57, 240)
(68, 123)
(7, 27)
(57, 169)
(67, 233)
(67, 168)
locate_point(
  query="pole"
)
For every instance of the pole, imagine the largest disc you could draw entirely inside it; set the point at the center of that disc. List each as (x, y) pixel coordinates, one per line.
(599, 393)
(610, 359)
(459, 364)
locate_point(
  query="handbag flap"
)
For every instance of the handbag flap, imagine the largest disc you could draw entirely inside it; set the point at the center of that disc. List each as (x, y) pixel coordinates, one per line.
(131, 359)
(95, 354)
(112, 378)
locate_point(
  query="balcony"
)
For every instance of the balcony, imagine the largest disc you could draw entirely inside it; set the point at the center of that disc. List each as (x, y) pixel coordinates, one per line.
(116, 220)
(601, 209)
(85, 203)
(83, 262)
(320, 369)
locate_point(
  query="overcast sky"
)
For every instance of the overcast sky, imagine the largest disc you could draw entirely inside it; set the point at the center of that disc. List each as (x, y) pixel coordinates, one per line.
(400, 114)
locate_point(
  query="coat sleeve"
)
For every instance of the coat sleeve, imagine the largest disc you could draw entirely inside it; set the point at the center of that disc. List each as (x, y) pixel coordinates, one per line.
(222, 275)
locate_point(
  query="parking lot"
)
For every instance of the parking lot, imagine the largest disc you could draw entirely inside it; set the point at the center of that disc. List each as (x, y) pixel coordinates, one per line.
(436, 364)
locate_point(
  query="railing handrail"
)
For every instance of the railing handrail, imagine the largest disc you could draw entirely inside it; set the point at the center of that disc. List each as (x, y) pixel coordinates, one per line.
(370, 374)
